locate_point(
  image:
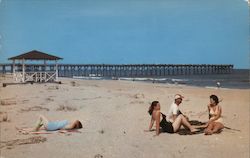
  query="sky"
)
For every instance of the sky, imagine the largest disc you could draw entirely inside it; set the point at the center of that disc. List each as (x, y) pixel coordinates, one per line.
(128, 31)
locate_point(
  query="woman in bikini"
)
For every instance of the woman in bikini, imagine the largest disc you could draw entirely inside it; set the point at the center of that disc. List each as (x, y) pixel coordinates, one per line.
(160, 120)
(215, 124)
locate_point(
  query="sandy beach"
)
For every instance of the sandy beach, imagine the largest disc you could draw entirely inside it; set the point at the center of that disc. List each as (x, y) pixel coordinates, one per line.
(114, 116)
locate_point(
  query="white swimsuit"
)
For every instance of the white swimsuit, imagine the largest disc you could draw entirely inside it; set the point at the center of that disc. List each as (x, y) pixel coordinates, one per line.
(213, 113)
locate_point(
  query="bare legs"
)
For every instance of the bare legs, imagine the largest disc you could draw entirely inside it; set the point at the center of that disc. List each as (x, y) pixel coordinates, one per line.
(42, 121)
(181, 120)
(213, 127)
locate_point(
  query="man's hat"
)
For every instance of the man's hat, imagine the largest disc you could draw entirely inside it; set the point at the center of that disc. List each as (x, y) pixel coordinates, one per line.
(178, 96)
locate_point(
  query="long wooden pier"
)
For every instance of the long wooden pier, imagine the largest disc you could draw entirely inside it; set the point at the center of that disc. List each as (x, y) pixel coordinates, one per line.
(122, 70)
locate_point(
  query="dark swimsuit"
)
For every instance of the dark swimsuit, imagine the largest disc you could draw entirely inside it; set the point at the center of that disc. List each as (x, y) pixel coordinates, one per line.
(166, 125)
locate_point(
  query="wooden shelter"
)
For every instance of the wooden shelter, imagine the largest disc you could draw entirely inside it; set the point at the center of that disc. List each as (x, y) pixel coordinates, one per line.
(35, 75)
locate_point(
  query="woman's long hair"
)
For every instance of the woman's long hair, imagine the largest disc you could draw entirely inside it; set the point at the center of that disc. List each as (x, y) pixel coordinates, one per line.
(215, 98)
(151, 108)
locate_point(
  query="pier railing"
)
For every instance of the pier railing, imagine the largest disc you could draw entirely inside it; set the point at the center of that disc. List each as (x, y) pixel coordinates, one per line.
(128, 70)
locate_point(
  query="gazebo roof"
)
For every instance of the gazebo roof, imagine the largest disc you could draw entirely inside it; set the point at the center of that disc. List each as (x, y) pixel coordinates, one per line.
(35, 55)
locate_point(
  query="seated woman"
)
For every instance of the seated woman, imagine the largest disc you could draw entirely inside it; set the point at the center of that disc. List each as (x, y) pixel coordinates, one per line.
(44, 123)
(215, 124)
(160, 119)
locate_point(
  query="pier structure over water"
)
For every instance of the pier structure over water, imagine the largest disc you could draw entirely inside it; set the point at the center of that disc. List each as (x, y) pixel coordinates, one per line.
(123, 70)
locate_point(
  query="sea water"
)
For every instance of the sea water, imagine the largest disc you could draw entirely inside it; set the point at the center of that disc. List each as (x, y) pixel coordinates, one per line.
(238, 79)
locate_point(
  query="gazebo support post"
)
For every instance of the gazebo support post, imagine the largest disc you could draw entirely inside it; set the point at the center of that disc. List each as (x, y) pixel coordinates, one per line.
(44, 69)
(14, 70)
(23, 67)
(45, 63)
(56, 70)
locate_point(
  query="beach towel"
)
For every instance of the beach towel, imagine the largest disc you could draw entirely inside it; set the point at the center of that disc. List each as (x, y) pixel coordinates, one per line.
(26, 131)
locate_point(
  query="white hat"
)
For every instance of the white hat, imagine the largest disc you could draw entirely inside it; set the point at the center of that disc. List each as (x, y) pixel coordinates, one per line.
(178, 96)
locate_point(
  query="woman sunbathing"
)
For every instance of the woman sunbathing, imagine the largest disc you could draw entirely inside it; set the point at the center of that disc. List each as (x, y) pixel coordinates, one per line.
(169, 127)
(215, 123)
(44, 124)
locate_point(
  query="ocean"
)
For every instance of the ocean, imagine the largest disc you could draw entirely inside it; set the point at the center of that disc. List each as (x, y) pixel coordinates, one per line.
(238, 79)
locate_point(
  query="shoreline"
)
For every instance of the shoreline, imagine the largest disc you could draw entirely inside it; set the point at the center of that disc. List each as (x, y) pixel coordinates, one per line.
(202, 83)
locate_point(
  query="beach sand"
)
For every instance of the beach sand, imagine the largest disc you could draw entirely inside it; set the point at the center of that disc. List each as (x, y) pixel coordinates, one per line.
(114, 116)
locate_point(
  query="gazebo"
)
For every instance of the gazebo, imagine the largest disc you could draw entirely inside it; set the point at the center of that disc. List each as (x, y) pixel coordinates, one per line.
(35, 76)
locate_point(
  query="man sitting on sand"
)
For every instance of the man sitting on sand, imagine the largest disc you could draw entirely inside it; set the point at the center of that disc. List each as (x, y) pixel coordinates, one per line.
(174, 112)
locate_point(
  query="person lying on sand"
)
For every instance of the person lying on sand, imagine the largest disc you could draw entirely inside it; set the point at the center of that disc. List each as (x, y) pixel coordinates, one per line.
(166, 126)
(215, 123)
(44, 124)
